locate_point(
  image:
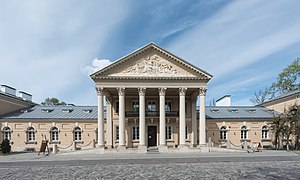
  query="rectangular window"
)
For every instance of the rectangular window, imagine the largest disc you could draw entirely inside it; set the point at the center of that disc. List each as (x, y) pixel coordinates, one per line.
(135, 133)
(117, 107)
(244, 134)
(168, 106)
(168, 132)
(151, 106)
(135, 106)
(265, 134)
(117, 133)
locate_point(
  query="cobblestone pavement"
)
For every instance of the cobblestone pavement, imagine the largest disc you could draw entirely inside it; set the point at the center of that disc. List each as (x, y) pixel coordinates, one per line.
(222, 167)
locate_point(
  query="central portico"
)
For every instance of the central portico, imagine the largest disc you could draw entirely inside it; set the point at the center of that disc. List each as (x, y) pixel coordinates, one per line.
(151, 99)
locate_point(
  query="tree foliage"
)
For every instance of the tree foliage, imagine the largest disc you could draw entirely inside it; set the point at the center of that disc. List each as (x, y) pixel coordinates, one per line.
(285, 125)
(5, 146)
(53, 102)
(287, 81)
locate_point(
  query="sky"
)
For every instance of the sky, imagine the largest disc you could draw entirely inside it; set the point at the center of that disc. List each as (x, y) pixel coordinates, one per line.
(48, 48)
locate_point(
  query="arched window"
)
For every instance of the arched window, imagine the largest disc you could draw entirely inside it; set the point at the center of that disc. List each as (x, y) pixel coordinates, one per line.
(30, 134)
(223, 133)
(265, 132)
(54, 134)
(6, 133)
(77, 133)
(244, 132)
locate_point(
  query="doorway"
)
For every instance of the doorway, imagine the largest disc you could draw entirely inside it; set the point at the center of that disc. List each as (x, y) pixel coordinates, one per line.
(152, 136)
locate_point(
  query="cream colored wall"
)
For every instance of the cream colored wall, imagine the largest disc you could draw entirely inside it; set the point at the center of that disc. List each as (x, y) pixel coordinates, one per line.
(279, 107)
(234, 131)
(18, 135)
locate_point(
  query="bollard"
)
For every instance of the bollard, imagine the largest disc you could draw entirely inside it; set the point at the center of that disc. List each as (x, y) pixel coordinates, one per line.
(94, 143)
(209, 142)
(54, 149)
(74, 146)
(245, 145)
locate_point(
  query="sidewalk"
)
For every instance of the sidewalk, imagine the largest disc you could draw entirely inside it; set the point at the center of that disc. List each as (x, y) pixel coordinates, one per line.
(26, 157)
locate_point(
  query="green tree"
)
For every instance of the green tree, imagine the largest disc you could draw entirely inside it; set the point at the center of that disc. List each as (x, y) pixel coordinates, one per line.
(287, 81)
(53, 102)
(5, 146)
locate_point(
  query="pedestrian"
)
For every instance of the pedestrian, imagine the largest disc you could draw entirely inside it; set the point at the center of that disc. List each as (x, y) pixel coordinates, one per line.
(259, 147)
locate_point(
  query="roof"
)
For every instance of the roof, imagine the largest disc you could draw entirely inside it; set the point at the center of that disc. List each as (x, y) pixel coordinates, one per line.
(54, 112)
(151, 45)
(91, 112)
(281, 98)
(239, 112)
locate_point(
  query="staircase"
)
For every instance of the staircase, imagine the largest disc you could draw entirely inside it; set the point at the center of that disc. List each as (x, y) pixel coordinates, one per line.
(152, 150)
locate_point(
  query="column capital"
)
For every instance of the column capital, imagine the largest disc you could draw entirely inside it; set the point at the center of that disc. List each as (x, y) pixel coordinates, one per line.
(162, 91)
(121, 91)
(99, 91)
(182, 91)
(142, 91)
(202, 91)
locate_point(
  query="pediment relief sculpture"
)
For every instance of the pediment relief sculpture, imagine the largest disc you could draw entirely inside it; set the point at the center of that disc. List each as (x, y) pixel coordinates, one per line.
(154, 65)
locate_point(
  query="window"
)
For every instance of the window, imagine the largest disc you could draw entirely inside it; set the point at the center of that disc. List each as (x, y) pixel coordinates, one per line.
(168, 132)
(135, 106)
(244, 132)
(54, 134)
(223, 133)
(77, 133)
(117, 107)
(168, 106)
(6, 133)
(265, 132)
(151, 106)
(117, 133)
(30, 134)
(186, 132)
(135, 133)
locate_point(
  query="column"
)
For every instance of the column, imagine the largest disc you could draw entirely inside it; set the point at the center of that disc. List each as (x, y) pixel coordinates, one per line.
(121, 92)
(109, 130)
(202, 120)
(100, 117)
(182, 117)
(162, 118)
(194, 122)
(142, 120)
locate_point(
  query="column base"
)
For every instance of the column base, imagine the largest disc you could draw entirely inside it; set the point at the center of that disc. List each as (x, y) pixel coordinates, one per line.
(183, 147)
(142, 148)
(201, 145)
(121, 148)
(100, 149)
(163, 148)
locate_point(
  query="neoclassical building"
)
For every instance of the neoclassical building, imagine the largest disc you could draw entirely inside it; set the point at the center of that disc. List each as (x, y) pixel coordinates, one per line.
(151, 89)
(149, 98)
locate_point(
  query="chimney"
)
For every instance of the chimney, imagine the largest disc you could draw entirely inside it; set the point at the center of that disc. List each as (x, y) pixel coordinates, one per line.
(25, 96)
(8, 90)
(224, 101)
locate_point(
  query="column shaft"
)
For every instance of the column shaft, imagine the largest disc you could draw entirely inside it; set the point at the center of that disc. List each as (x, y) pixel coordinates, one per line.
(142, 122)
(109, 129)
(121, 117)
(182, 140)
(162, 117)
(194, 122)
(100, 117)
(202, 119)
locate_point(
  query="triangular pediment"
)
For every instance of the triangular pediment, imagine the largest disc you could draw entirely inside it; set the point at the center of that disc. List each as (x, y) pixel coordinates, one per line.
(150, 62)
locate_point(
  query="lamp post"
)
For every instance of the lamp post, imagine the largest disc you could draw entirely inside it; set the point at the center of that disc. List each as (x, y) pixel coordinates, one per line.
(294, 113)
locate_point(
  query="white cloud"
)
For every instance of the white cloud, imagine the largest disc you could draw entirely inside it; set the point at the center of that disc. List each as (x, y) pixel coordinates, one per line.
(96, 65)
(44, 44)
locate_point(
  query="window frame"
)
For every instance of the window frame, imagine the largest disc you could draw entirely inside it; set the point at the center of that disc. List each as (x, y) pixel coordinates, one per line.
(223, 133)
(77, 134)
(30, 134)
(169, 132)
(7, 132)
(135, 133)
(54, 132)
(265, 132)
(244, 133)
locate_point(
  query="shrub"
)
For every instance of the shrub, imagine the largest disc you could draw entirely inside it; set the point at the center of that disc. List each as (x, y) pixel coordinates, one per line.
(5, 146)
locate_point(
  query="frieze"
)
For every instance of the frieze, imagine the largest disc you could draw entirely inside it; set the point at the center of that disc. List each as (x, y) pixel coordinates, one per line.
(154, 65)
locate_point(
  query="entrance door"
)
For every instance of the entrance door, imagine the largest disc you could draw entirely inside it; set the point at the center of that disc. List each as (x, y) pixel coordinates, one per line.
(151, 135)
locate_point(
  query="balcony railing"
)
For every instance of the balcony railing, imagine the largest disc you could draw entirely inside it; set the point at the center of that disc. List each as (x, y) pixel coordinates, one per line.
(151, 113)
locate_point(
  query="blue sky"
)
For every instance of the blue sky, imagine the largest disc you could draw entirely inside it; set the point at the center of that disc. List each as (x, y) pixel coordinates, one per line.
(48, 48)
